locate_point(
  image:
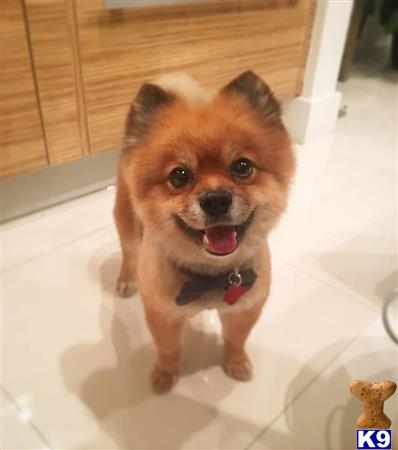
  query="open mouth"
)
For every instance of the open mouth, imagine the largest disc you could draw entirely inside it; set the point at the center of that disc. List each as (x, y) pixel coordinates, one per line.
(219, 240)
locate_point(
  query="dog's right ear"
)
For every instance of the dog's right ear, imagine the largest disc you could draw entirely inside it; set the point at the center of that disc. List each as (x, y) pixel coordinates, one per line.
(147, 103)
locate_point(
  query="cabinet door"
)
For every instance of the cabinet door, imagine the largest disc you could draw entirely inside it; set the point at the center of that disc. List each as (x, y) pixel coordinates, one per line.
(22, 140)
(55, 51)
(214, 42)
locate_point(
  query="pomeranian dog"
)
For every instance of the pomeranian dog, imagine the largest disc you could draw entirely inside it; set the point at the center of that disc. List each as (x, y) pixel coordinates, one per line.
(201, 182)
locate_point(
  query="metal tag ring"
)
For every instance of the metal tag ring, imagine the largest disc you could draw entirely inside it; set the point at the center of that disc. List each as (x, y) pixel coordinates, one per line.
(235, 279)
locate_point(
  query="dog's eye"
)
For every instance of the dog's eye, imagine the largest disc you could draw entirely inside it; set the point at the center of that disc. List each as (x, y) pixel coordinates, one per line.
(180, 176)
(242, 168)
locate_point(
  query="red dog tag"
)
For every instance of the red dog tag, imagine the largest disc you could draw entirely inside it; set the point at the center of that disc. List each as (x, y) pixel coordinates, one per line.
(233, 294)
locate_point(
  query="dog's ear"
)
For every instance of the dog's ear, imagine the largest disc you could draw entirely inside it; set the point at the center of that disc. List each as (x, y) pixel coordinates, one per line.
(148, 101)
(257, 93)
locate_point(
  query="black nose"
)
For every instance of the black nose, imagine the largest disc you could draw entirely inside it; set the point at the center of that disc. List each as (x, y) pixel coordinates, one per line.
(216, 203)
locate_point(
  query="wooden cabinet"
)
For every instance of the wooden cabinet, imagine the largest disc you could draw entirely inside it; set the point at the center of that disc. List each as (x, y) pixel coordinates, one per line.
(214, 42)
(53, 36)
(22, 139)
(89, 61)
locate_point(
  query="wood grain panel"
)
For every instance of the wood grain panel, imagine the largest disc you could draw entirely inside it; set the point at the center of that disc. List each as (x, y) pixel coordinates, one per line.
(22, 143)
(55, 52)
(214, 42)
(309, 22)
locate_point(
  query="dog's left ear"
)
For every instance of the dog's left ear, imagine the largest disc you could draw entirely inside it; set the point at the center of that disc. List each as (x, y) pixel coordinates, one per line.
(258, 94)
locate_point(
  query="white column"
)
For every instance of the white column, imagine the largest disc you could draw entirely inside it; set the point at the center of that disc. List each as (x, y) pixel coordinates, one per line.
(314, 113)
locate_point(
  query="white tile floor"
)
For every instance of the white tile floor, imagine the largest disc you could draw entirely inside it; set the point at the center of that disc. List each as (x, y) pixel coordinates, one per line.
(76, 357)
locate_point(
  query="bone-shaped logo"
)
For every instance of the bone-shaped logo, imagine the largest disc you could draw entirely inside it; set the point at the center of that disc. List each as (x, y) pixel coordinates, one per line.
(373, 396)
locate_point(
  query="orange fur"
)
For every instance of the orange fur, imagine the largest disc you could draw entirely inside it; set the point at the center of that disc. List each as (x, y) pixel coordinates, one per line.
(206, 138)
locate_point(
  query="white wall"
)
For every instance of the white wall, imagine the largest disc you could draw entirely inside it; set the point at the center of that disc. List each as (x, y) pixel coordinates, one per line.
(314, 113)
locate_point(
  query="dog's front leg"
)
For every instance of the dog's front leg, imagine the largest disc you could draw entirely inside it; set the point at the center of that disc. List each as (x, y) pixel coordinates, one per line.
(236, 327)
(166, 332)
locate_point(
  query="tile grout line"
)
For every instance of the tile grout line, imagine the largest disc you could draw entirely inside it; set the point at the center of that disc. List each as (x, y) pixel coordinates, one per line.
(57, 247)
(310, 383)
(327, 283)
(29, 421)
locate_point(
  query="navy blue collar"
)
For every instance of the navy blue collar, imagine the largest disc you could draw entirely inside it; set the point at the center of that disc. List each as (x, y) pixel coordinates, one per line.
(228, 282)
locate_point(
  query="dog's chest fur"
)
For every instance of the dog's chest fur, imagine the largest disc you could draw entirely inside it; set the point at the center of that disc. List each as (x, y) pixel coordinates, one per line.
(160, 281)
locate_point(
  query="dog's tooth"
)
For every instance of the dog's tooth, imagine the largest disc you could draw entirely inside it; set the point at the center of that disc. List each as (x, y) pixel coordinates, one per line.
(205, 239)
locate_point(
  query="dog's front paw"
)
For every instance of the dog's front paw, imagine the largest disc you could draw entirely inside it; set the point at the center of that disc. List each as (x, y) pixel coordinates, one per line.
(239, 368)
(163, 381)
(125, 288)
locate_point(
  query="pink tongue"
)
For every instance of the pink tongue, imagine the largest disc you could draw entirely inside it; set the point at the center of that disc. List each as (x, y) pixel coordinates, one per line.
(220, 240)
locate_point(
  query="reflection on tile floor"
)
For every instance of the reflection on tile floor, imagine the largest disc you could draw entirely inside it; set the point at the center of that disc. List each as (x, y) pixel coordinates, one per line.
(76, 357)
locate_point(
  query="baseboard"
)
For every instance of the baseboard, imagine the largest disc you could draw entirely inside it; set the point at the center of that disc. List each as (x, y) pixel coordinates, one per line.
(309, 118)
(23, 194)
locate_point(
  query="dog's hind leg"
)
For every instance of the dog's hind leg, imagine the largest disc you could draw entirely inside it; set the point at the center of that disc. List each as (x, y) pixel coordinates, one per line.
(129, 235)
